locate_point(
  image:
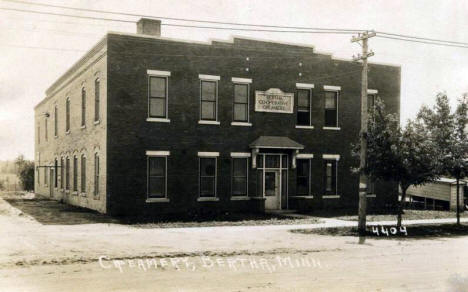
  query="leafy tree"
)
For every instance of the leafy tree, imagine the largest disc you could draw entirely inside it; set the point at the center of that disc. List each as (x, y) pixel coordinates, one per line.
(25, 172)
(448, 132)
(400, 154)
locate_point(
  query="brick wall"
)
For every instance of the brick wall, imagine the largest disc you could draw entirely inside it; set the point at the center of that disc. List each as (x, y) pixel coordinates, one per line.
(270, 66)
(80, 140)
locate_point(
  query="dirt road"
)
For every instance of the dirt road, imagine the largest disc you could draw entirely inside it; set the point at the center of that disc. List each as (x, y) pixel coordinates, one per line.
(114, 257)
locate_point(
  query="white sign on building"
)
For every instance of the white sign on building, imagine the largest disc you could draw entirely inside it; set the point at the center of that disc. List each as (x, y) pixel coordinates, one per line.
(274, 101)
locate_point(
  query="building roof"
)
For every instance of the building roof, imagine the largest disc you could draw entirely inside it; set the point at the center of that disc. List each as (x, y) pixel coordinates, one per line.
(275, 142)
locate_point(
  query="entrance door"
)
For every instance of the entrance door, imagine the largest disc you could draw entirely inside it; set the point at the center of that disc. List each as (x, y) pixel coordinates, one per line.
(51, 183)
(272, 190)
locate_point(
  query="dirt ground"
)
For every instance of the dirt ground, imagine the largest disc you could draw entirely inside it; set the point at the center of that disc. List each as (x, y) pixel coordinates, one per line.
(108, 256)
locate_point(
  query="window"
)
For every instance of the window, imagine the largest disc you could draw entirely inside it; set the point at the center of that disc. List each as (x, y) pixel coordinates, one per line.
(67, 174)
(158, 97)
(157, 170)
(207, 176)
(239, 176)
(62, 170)
(55, 121)
(208, 100)
(97, 99)
(45, 176)
(46, 130)
(304, 103)
(75, 174)
(83, 107)
(371, 98)
(56, 173)
(241, 103)
(331, 108)
(67, 117)
(303, 177)
(96, 174)
(330, 176)
(83, 173)
(38, 134)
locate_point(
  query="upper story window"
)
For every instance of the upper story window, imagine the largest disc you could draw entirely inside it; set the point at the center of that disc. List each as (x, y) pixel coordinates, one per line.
(83, 107)
(304, 104)
(331, 106)
(209, 98)
(67, 115)
(241, 100)
(46, 130)
(55, 121)
(38, 134)
(97, 99)
(158, 94)
(157, 174)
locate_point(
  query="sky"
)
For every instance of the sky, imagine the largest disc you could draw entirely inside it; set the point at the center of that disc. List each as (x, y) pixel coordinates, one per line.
(25, 73)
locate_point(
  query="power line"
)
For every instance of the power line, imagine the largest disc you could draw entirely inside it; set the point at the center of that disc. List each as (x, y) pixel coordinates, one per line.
(233, 23)
(422, 42)
(181, 19)
(179, 25)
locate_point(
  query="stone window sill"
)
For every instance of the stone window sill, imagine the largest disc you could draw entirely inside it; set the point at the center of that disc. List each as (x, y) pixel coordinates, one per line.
(75, 193)
(97, 122)
(202, 122)
(158, 120)
(157, 200)
(67, 132)
(332, 128)
(304, 127)
(83, 194)
(371, 195)
(245, 124)
(331, 197)
(83, 127)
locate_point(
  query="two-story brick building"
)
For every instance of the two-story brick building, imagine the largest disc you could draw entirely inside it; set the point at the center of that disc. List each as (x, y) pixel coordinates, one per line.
(146, 125)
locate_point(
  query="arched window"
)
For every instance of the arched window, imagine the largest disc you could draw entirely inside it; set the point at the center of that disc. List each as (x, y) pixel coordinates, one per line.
(83, 107)
(83, 173)
(96, 174)
(97, 99)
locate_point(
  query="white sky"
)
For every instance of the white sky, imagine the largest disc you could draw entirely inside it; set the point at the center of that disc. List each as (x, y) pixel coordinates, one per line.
(25, 74)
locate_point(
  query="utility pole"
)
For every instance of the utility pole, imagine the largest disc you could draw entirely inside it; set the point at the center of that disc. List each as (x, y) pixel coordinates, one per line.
(364, 37)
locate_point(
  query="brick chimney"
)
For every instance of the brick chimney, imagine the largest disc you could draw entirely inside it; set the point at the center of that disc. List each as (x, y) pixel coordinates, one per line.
(149, 26)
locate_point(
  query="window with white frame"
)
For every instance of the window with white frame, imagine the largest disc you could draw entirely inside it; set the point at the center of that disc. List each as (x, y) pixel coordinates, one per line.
(240, 166)
(241, 102)
(158, 93)
(208, 98)
(304, 104)
(330, 176)
(157, 174)
(208, 175)
(303, 177)
(331, 108)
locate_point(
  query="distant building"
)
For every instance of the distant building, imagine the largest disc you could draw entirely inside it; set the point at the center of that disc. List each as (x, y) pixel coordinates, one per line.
(146, 125)
(441, 194)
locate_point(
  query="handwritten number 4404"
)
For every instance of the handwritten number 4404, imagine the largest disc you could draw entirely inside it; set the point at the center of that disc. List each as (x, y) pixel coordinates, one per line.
(389, 231)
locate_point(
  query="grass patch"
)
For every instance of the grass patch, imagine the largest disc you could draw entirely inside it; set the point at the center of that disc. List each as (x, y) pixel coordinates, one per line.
(413, 231)
(408, 215)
